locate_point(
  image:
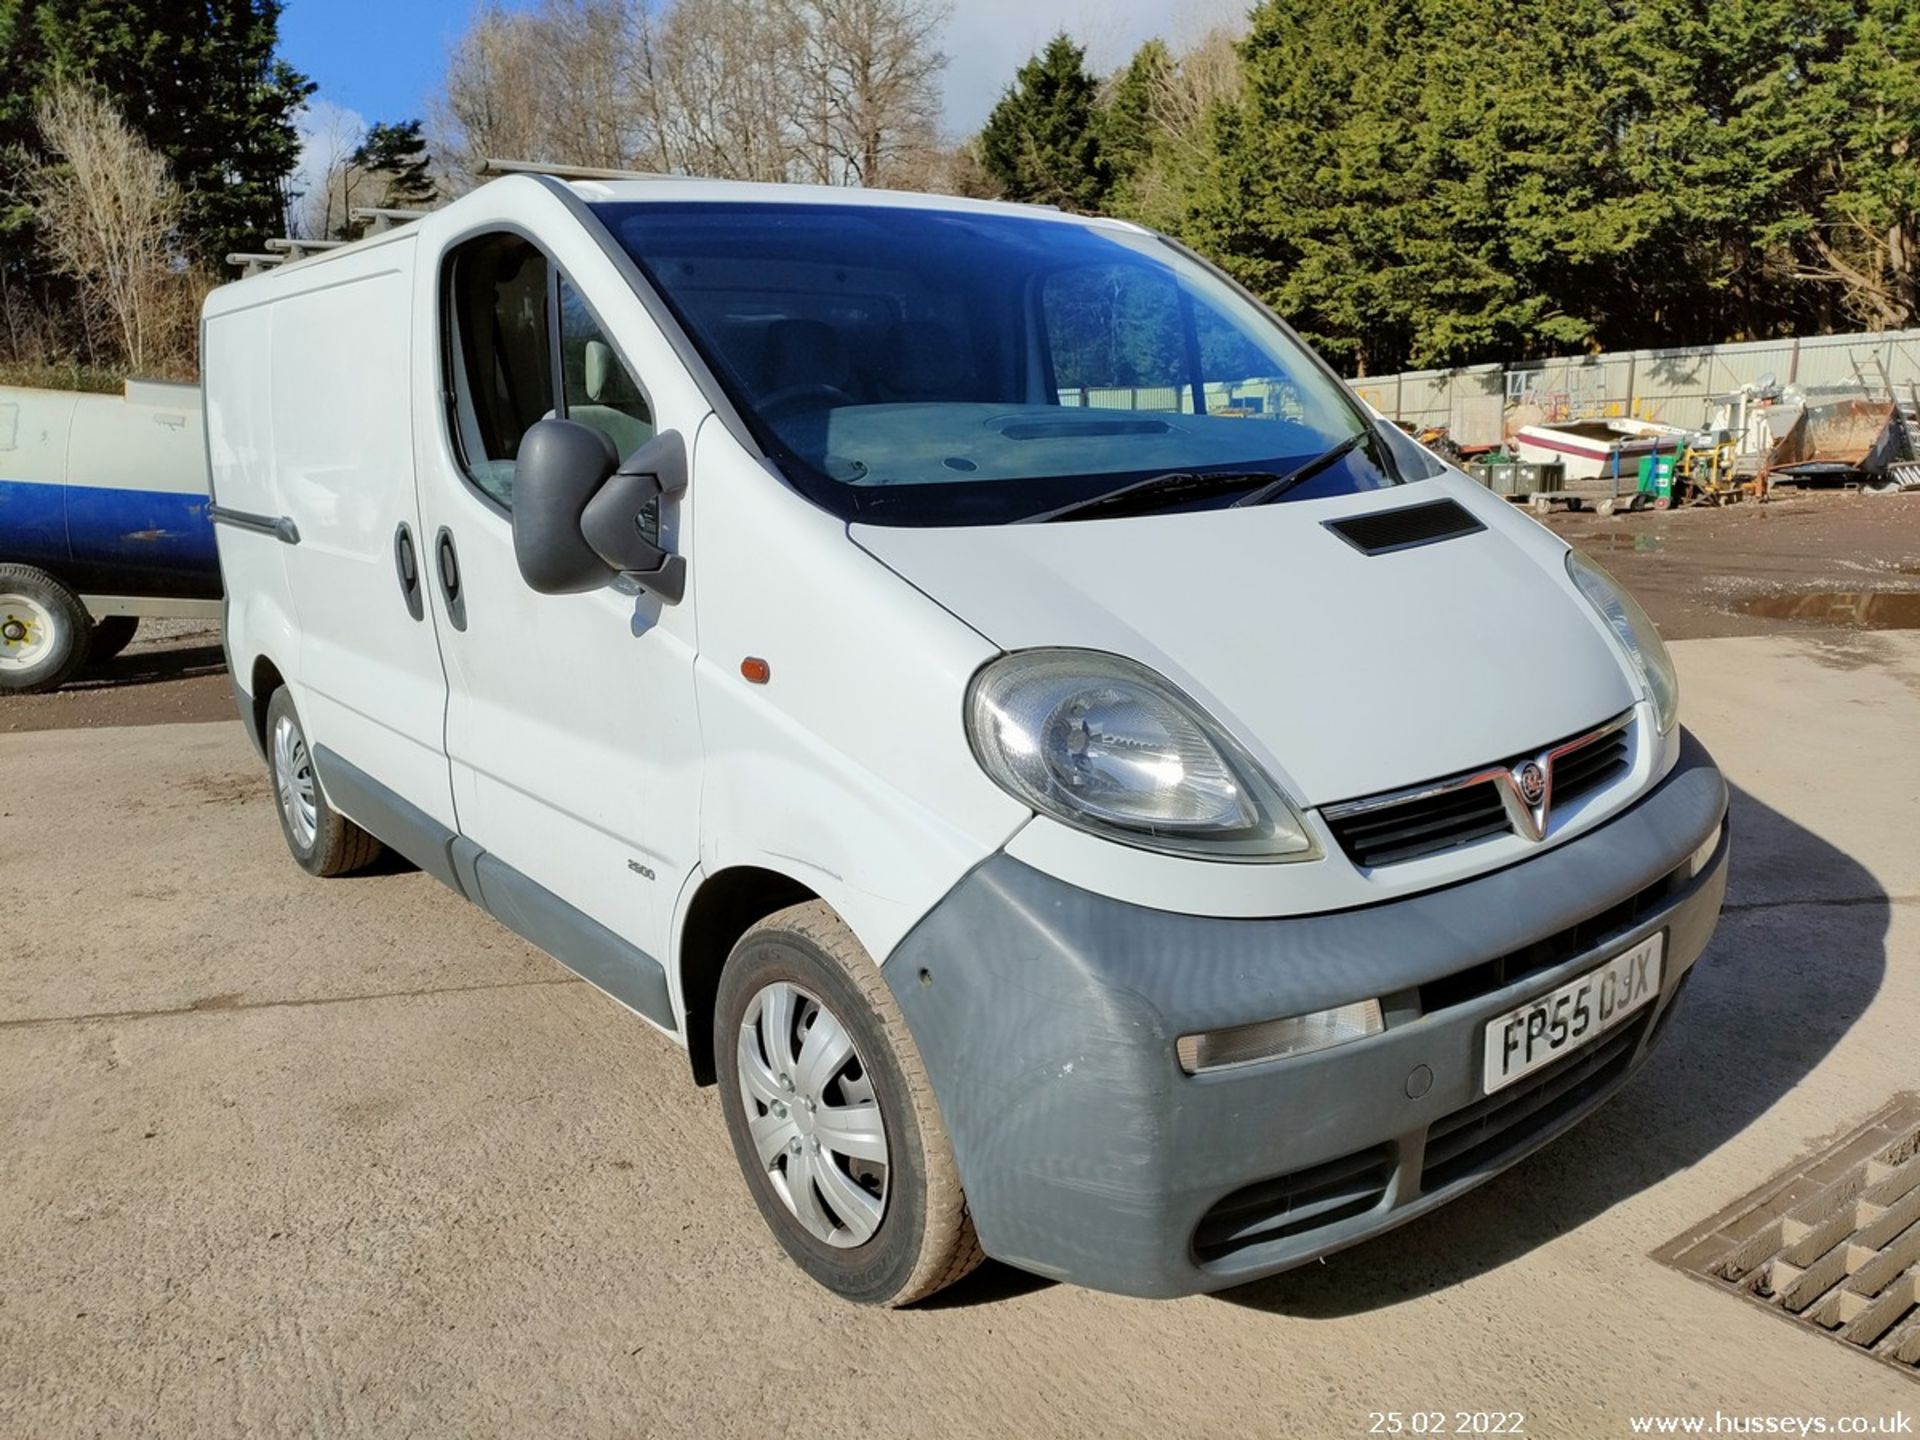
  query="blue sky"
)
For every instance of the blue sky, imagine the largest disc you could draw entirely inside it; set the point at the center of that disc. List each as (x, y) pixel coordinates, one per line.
(383, 59)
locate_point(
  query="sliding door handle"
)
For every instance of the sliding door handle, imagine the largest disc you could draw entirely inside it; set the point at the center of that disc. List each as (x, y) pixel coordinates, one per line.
(406, 563)
(447, 563)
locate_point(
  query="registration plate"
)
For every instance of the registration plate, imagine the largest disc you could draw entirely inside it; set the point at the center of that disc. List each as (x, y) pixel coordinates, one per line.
(1579, 1012)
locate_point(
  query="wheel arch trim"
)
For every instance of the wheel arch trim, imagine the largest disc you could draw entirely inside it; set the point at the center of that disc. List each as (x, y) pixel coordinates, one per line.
(714, 911)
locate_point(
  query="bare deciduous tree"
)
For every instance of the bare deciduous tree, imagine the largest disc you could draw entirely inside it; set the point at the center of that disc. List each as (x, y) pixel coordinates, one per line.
(110, 209)
(725, 101)
(1182, 103)
(491, 103)
(835, 91)
(1205, 75)
(323, 212)
(872, 70)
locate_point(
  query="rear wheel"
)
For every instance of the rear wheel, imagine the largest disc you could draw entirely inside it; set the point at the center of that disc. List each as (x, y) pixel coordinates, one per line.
(322, 840)
(43, 631)
(832, 1117)
(110, 636)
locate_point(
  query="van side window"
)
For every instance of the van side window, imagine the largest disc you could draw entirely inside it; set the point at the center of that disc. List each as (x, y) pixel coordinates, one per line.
(502, 344)
(1114, 334)
(598, 389)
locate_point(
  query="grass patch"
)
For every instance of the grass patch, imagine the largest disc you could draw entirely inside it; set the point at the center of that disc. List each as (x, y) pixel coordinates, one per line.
(64, 377)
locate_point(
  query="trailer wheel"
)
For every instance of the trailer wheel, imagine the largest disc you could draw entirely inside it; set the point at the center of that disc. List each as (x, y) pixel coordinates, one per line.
(110, 636)
(43, 631)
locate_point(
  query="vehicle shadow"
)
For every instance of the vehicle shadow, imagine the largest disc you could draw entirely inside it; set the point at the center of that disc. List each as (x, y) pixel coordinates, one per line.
(1799, 955)
(150, 667)
(989, 1285)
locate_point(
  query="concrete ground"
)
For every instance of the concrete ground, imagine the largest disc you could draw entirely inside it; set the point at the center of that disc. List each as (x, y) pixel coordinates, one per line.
(282, 1156)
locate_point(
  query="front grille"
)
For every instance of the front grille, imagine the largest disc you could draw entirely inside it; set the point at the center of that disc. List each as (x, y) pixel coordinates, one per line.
(1422, 827)
(1594, 765)
(1552, 951)
(1293, 1204)
(1386, 830)
(1480, 1136)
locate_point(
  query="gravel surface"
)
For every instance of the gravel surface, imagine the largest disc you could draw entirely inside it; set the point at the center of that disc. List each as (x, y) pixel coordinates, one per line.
(1698, 570)
(298, 1157)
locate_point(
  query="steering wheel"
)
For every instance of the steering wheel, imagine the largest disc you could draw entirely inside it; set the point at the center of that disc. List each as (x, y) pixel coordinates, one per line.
(788, 397)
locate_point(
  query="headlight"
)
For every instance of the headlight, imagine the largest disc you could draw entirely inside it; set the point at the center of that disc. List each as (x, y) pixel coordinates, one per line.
(1109, 747)
(1636, 633)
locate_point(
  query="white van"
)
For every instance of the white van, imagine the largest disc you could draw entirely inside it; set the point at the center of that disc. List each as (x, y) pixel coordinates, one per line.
(1088, 792)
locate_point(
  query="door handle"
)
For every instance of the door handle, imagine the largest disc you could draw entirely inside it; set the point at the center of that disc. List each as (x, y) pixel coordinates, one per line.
(447, 563)
(406, 563)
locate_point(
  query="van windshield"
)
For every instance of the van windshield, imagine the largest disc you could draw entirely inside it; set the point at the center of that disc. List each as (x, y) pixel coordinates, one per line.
(918, 366)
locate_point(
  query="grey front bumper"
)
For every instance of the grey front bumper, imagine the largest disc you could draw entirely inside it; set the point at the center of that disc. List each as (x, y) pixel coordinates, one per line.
(1047, 1018)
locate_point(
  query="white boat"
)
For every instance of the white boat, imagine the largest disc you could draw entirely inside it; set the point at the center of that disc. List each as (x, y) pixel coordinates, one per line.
(1597, 449)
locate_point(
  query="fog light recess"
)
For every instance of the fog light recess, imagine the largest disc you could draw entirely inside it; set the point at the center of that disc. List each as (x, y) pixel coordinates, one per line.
(1276, 1039)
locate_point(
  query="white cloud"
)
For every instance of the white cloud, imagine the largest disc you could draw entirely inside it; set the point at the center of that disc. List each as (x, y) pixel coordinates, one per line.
(987, 40)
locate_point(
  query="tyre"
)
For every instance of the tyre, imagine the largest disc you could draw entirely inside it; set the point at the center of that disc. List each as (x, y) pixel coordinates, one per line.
(832, 1116)
(110, 636)
(322, 840)
(43, 631)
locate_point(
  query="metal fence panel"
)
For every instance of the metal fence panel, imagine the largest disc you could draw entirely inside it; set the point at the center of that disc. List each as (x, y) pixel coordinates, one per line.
(1904, 347)
(1675, 385)
(1480, 404)
(1856, 361)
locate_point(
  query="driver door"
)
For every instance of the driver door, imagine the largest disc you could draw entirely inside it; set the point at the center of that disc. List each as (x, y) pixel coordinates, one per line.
(571, 730)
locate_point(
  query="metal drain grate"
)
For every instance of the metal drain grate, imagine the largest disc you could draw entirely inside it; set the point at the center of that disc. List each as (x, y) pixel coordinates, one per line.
(1832, 1242)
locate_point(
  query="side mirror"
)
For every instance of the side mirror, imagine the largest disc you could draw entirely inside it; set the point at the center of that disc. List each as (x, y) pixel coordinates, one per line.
(622, 521)
(578, 513)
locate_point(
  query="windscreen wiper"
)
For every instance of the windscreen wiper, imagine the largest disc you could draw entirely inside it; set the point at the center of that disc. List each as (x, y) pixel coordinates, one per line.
(1174, 485)
(1280, 484)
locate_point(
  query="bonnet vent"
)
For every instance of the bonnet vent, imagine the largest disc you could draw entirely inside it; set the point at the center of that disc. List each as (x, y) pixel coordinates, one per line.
(1402, 529)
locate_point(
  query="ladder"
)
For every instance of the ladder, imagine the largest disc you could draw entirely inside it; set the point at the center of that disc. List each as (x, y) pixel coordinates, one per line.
(1904, 473)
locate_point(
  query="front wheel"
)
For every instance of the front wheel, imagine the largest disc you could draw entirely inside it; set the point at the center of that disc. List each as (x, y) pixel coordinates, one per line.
(832, 1117)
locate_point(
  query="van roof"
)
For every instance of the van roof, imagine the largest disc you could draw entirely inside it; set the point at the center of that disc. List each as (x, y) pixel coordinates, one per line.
(684, 190)
(675, 189)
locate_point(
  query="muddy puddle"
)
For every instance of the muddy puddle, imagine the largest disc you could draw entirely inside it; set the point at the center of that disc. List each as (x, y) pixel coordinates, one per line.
(1859, 609)
(1641, 544)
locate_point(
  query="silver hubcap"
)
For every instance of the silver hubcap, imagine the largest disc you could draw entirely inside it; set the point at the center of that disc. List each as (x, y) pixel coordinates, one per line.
(811, 1111)
(293, 782)
(26, 632)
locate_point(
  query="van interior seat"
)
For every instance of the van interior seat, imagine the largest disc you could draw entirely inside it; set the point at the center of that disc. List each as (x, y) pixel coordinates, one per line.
(804, 353)
(923, 360)
(615, 403)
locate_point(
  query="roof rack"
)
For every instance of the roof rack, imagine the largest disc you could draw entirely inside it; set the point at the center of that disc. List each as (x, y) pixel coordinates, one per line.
(251, 265)
(564, 172)
(301, 249)
(383, 219)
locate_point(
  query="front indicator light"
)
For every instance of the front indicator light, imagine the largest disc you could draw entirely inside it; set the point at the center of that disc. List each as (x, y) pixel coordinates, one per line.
(1276, 1039)
(1703, 857)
